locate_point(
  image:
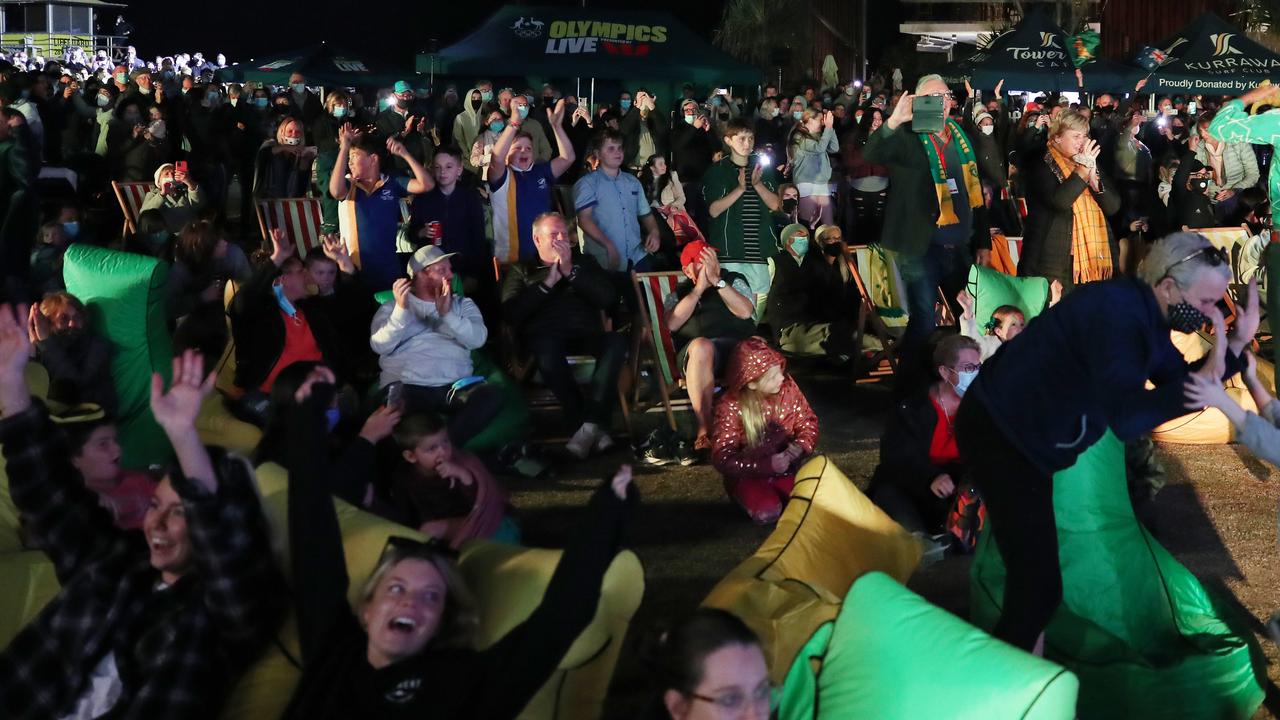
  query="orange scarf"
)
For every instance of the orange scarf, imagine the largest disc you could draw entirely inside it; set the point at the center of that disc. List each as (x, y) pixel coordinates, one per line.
(1090, 244)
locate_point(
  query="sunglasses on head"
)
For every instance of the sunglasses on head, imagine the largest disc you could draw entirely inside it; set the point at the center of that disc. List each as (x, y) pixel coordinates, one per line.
(408, 547)
(1213, 257)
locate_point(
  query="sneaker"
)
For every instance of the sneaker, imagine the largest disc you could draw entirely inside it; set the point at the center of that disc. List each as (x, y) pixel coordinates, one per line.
(655, 450)
(684, 453)
(583, 440)
(603, 442)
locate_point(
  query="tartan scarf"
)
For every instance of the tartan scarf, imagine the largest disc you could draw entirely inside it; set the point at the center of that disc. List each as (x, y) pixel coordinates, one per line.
(946, 212)
(1090, 244)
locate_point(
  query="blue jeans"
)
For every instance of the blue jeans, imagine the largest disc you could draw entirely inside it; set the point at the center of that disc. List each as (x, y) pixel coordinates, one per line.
(945, 266)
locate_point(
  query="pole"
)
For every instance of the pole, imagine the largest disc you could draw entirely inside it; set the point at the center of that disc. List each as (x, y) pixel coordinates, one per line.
(593, 95)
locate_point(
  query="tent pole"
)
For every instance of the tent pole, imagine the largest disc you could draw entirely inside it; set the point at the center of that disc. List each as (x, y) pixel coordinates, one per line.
(593, 95)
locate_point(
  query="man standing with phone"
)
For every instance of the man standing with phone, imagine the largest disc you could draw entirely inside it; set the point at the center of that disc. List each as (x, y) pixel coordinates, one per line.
(935, 223)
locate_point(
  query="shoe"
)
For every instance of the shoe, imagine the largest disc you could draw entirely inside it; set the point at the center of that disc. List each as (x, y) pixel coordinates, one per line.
(603, 442)
(683, 452)
(654, 454)
(583, 440)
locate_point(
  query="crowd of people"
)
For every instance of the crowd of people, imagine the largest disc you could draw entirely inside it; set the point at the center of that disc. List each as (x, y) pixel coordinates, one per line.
(509, 222)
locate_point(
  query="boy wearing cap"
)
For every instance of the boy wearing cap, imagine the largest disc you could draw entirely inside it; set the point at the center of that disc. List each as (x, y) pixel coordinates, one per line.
(709, 312)
(400, 122)
(424, 338)
(175, 195)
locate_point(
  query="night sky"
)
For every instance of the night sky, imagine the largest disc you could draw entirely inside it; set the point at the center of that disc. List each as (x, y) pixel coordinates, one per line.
(394, 30)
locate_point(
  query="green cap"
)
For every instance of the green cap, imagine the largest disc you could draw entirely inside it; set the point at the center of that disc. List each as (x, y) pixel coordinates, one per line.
(402, 87)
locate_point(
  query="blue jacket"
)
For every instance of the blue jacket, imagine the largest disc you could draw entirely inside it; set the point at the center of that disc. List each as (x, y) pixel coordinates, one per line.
(1082, 367)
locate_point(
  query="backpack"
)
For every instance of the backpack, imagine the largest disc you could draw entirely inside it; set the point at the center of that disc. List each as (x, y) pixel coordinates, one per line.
(966, 519)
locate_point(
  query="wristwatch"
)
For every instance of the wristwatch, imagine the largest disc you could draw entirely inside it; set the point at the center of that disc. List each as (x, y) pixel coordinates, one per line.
(721, 284)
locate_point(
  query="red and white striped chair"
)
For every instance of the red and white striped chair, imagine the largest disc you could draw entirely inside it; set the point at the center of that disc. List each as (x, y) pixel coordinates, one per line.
(298, 217)
(130, 196)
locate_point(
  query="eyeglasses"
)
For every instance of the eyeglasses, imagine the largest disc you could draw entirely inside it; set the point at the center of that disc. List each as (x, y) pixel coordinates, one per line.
(967, 368)
(736, 701)
(1213, 256)
(948, 95)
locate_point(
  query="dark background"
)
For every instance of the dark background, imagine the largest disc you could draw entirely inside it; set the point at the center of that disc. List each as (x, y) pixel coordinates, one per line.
(392, 30)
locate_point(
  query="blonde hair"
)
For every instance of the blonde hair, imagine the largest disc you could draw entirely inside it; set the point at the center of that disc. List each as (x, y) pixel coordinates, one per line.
(460, 619)
(333, 98)
(286, 123)
(751, 407)
(1069, 120)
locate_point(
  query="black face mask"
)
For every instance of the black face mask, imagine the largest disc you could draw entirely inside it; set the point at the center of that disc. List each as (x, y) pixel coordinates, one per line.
(833, 249)
(1185, 318)
(789, 205)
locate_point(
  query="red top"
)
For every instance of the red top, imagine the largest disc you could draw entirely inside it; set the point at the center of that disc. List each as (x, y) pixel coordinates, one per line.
(943, 449)
(128, 499)
(299, 345)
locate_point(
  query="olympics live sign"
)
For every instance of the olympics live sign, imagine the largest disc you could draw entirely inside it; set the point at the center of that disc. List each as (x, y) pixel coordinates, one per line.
(586, 37)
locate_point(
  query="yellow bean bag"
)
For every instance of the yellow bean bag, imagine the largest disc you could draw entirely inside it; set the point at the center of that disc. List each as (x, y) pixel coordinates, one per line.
(829, 535)
(1208, 426)
(508, 582)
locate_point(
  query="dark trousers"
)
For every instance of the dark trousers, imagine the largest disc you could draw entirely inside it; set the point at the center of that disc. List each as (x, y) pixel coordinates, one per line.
(465, 420)
(1019, 500)
(551, 355)
(945, 266)
(923, 515)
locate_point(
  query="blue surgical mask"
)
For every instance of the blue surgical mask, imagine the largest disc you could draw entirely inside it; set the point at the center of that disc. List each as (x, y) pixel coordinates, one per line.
(71, 229)
(796, 115)
(339, 111)
(690, 118)
(331, 418)
(624, 104)
(497, 126)
(800, 245)
(283, 301)
(964, 380)
(486, 95)
(103, 101)
(122, 78)
(299, 88)
(522, 111)
(260, 102)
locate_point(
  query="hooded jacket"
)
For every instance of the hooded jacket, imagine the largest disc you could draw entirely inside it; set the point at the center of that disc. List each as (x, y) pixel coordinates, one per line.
(466, 125)
(788, 417)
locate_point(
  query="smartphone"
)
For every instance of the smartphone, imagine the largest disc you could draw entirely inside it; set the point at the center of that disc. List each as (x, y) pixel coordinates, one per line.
(180, 167)
(395, 395)
(722, 91)
(926, 114)
(1192, 107)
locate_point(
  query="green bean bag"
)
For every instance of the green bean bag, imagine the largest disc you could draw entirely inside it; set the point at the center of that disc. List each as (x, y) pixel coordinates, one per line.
(125, 295)
(1145, 638)
(512, 422)
(892, 655)
(991, 289)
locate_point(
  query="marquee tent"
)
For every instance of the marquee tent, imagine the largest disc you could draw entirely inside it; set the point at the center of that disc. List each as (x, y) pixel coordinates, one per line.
(323, 65)
(1212, 56)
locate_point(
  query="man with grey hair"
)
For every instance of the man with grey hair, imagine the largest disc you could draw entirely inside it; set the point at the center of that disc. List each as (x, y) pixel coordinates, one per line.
(1077, 371)
(935, 223)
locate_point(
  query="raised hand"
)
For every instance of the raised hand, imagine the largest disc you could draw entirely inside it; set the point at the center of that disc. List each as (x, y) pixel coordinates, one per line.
(780, 462)
(281, 247)
(966, 302)
(177, 409)
(335, 248)
(1202, 392)
(828, 120)
(348, 134)
(320, 375)
(38, 326)
(15, 341)
(999, 85)
(756, 175)
(378, 426)
(409, 122)
(901, 112)
(401, 289)
(444, 298)
(396, 148)
(556, 114)
(942, 486)
(1247, 318)
(711, 265)
(742, 178)
(553, 275)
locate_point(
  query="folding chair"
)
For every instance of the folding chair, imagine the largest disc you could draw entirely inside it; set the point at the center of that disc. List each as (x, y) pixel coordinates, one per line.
(298, 217)
(877, 317)
(130, 196)
(650, 333)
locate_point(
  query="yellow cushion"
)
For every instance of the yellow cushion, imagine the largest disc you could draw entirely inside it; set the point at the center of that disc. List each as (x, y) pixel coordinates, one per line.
(829, 535)
(38, 384)
(217, 426)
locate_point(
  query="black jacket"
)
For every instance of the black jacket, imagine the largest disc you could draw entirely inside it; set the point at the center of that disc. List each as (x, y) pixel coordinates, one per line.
(629, 125)
(1046, 244)
(259, 332)
(904, 451)
(692, 150)
(811, 291)
(571, 309)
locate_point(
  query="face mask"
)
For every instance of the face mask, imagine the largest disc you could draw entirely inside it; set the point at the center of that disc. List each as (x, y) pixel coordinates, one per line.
(690, 119)
(292, 141)
(848, 90)
(402, 103)
(832, 249)
(331, 418)
(144, 90)
(122, 78)
(339, 111)
(497, 126)
(789, 205)
(282, 301)
(158, 239)
(103, 101)
(800, 245)
(796, 115)
(1185, 318)
(988, 129)
(964, 380)
(826, 99)
(157, 129)
(71, 229)
(260, 102)
(486, 95)
(624, 104)
(186, 90)
(522, 111)
(299, 88)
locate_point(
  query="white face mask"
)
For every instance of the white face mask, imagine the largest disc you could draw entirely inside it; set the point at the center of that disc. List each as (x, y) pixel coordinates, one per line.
(292, 141)
(988, 129)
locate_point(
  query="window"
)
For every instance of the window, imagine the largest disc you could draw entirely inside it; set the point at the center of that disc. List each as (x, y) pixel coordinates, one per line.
(35, 18)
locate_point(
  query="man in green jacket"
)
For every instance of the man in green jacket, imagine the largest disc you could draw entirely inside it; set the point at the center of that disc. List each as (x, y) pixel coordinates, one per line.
(935, 223)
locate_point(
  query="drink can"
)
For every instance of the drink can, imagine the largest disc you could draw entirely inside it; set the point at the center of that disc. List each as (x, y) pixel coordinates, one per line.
(435, 231)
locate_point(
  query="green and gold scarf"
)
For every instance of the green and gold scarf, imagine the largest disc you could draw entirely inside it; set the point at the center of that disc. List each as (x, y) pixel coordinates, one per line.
(932, 148)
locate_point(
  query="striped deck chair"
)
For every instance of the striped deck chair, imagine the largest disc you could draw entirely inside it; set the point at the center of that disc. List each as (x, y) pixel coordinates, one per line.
(298, 217)
(652, 338)
(875, 317)
(130, 196)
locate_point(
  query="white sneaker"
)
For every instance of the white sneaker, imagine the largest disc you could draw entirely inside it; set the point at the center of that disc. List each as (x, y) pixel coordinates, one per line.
(603, 441)
(583, 440)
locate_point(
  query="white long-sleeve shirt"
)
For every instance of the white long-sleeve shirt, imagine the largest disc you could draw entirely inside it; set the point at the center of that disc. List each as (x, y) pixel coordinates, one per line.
(419, 347)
